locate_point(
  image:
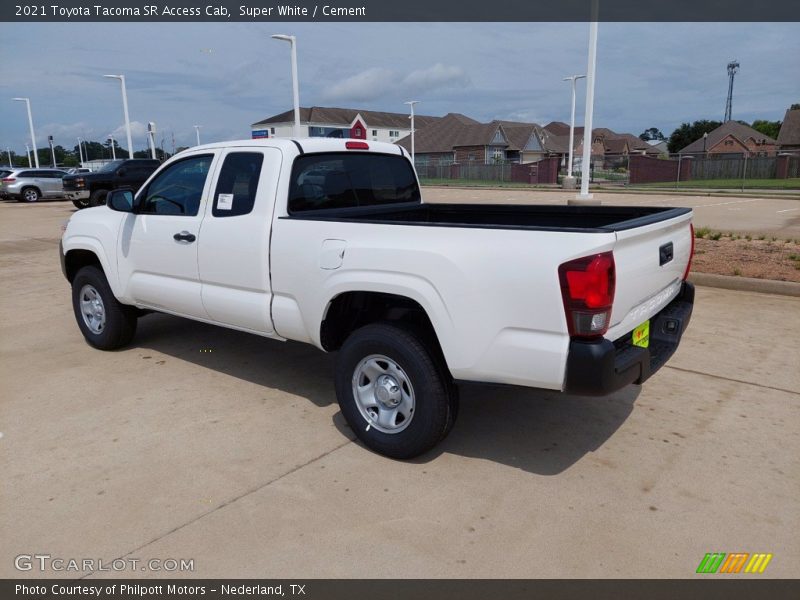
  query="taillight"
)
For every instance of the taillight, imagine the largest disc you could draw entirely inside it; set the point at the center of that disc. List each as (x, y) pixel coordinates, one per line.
(356, 145)
(587, 289)
(9, 179)
(691, 254)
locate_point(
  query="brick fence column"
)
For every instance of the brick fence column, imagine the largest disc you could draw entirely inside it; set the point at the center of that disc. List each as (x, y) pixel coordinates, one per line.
(686, 168)
(782, 167)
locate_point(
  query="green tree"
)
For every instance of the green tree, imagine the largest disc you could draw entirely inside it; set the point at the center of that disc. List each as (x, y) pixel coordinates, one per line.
(769, 128)
(794, 107)
(651, 133)
(688, 133)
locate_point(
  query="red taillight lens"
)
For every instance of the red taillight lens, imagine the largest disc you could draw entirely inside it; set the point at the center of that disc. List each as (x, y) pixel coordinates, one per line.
(587, 289)
(9, 179)
(691, 254)
(356, 145)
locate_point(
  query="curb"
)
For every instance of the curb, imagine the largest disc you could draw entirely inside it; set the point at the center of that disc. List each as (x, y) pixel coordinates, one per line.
(746, 284)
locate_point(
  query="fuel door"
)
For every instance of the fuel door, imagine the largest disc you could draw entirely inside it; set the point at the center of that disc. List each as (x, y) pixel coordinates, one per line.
(332, 254)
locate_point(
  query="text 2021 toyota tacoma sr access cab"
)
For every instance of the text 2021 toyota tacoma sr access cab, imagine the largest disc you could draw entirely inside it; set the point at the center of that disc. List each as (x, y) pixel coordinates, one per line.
(328, 242)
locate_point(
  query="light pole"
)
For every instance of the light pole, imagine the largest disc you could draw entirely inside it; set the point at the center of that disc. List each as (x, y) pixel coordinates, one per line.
(80, 151)
(125, 110)
(585, 197)
(151, 135)
(113, 151)
(8, 150)
(197, 133)
(295, 90)
(411, 103)
(27, 102)
(52, 150)
(28, 154)
(569, 180)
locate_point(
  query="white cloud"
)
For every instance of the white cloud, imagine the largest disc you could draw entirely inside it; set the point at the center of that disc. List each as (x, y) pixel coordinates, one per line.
(437, 76)
(138, 133)
(367, 85)
(380, 82)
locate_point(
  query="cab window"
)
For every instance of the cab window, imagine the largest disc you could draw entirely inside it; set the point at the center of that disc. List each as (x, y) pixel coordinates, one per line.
(237, 184)
(178, 189)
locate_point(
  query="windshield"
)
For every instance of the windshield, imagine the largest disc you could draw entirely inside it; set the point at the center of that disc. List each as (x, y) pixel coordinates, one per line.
(112, 166)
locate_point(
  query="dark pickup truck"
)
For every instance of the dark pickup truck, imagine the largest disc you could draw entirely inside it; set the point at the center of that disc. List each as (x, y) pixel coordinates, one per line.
(90, 189)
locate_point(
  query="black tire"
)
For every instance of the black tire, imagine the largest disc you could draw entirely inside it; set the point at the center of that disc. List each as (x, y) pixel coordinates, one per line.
(82, 203)
(98, 198)
(120, 320)
(29, 194)
(435, 396)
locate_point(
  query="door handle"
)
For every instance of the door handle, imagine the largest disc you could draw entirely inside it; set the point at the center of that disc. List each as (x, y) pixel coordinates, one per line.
(184, 236)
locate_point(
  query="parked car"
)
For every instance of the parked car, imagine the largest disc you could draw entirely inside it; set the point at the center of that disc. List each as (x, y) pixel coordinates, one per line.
(414, 296)
(90, 189)
(29, 185)
(78, 170)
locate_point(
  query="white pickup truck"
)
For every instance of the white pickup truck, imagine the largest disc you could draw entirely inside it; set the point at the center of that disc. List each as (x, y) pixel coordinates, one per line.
(328, 242)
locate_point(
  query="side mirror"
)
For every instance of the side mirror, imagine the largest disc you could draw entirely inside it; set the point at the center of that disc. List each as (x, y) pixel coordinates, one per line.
(121, 172)
(120, 200)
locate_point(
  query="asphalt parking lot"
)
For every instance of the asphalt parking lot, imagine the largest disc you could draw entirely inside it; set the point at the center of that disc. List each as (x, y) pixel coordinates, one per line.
(209, 444)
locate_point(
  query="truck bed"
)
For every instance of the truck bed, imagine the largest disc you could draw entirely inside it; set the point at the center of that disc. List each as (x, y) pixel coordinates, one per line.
(584, 219)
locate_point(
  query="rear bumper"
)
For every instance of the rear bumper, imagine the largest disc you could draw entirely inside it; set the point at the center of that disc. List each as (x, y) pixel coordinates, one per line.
(598, 368)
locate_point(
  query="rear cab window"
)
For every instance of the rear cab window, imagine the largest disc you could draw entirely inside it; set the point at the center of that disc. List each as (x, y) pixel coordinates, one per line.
(338, 180)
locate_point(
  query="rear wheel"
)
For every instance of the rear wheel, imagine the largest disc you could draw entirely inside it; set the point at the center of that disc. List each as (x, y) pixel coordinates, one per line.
(393, 392)
(104, 322)
(98, 198)
(30, 194)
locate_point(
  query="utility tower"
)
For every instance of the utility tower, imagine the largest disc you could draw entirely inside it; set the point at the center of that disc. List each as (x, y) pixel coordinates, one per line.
(733, 68)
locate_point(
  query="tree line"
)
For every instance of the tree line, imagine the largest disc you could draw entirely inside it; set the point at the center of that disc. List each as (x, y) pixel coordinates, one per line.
(70, 157)
(687, 133)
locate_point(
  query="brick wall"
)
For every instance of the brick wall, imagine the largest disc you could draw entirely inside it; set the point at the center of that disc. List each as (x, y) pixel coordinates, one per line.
(463, 154)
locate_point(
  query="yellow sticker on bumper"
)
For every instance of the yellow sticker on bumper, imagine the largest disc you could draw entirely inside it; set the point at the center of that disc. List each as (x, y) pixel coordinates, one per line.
(641, 335)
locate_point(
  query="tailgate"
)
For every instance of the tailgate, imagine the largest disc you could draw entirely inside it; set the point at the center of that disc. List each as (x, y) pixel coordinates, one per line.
(650, 263)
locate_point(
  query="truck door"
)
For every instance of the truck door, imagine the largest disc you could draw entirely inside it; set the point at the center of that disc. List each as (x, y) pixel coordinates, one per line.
(158, 245)
(234, 249)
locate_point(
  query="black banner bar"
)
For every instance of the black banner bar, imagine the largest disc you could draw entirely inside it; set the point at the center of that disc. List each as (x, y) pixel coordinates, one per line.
(401, 11)
(712, 587)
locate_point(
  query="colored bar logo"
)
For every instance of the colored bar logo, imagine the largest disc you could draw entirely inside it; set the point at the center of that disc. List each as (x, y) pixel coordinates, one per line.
(733, 563)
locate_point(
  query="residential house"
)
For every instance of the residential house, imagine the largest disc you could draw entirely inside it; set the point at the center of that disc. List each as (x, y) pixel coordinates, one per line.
(319, 121)
(789, 136)
(732, 138)
(457, 138)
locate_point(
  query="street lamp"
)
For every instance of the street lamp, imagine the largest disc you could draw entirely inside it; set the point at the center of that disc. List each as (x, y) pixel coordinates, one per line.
(197, 133)
(113, 151)
(295, 90)
(8, 150)
(705, 141)
(52, 150)
(571, 182)
(151, 135)
(27, 102)
(411, 103)
(80, 150)
(585, 197)
(125, 110)
(28, 154)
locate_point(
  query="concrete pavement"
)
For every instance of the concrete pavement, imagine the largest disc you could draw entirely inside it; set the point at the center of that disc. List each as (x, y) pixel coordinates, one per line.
(213, 445)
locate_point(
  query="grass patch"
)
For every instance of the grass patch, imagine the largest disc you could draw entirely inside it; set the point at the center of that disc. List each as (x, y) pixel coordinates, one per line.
(752, 184)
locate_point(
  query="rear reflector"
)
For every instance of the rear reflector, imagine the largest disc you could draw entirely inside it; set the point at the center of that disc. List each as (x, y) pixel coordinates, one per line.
(691, 254)
(587, 289)
(356, 145)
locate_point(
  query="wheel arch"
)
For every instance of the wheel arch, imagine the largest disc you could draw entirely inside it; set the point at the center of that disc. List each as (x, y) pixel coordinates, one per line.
(83, 252)
(350, 310)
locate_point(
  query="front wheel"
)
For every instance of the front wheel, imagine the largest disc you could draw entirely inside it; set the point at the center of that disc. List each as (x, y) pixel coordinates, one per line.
(104, 322)
(98, 198)
(81, 203)
(394, 394)
(30, 194)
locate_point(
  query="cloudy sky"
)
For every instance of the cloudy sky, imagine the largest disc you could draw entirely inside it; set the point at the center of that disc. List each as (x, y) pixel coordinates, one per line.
(226, 76)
